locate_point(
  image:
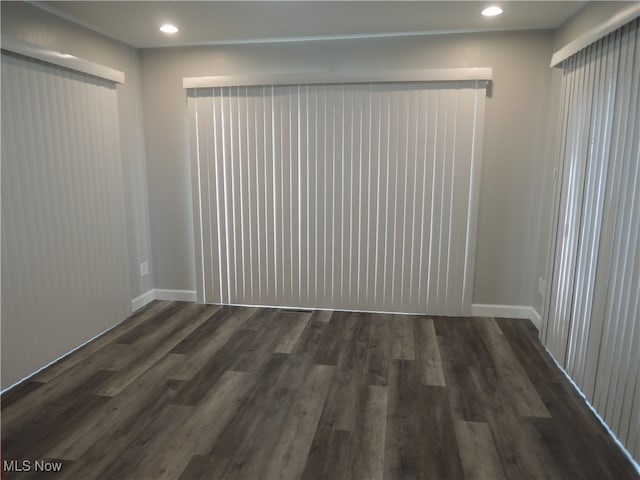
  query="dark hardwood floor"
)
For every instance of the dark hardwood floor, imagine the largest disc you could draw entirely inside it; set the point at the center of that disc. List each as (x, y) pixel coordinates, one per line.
(188, 391)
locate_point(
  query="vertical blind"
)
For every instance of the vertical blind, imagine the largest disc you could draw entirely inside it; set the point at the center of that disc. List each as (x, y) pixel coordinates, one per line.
(353, 196)
(64, 272)
(593, 324)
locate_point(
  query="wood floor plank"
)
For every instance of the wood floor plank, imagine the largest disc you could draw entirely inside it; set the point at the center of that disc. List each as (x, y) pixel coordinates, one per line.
(50, 425)
(379, 354)
(33, 408)
(129, 407)
(565, 465)
(368, 445)
(67, 383)
(250, 432)
(18, 392)
(480, 459)
(204, 466)
(249, 393)
(579, 428)
(102, 449)
(255, 451)
(255, 317)
(491, 324)
(579, 460)
(323, 316)
(427, 352)
(513, 380)
(203, 345)
(193, 435)
(149, 334)
(403, 342)
(534, 358)
(355, 348)
(440, 451)
(144, 358)
(460, 335)
(468, 399)
(197, 388)
(331, 342)
(409, 427)
(216, 320)
(470, 389)
(140, 317)
(288, 457)
(146, 332)
(341, 406)
(520, 455)
(119, 356)
(300, 360)
(259, 351)
(402, 451)
(452, 352)
(328, 458)
(137, 456)
(296, 323)
(478, 353)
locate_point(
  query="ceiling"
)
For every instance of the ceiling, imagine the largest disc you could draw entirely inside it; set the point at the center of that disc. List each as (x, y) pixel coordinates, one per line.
(205, 23)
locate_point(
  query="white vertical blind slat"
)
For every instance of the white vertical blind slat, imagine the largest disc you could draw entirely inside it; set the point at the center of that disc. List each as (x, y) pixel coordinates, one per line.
(62, 208)
(344, 196)
(629, 400)
(592, 324)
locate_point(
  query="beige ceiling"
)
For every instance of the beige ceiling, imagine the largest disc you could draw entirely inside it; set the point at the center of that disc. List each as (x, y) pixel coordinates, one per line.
(204, 23)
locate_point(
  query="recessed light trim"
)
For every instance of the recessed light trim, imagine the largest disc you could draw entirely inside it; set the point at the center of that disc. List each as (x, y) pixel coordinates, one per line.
(168, 28)
(491, 11)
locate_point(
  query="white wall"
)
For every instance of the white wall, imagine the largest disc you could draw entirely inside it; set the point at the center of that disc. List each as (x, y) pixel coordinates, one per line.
(38, 27)
(514, 147)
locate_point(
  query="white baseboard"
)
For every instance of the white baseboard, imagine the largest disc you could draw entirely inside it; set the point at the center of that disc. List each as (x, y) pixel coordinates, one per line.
(506, 311)
(477, 309)
(141, 301)
(535, 318)
(175, 295)
(163, 294)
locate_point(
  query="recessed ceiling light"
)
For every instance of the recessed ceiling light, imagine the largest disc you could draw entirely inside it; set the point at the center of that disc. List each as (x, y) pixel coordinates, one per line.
(491, 11)
(168, 28)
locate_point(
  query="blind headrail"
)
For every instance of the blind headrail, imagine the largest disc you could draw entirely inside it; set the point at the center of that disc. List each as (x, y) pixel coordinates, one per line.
(595, 34)
(341, 77)
(61, 59)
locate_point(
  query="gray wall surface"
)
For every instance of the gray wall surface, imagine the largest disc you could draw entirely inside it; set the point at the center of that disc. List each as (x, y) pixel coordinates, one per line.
(588, 17)
(514, 147)
(546, 185)
(38, 27)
